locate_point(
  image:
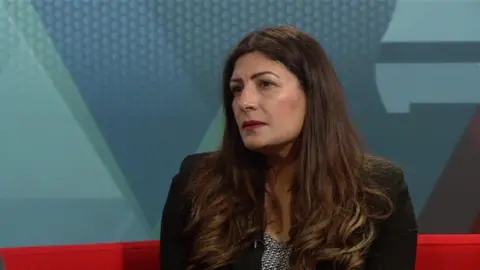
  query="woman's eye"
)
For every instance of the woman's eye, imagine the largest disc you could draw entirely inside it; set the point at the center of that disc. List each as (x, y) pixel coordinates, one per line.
(266, 84)
(235, 89)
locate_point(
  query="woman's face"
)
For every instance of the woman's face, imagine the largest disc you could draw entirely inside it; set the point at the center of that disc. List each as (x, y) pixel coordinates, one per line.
(269, 105)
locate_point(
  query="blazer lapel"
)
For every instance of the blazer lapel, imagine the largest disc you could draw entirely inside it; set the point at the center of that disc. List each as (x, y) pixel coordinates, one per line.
(250, 259)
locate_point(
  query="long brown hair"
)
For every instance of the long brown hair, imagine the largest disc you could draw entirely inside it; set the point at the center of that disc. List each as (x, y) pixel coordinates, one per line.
(332, 214)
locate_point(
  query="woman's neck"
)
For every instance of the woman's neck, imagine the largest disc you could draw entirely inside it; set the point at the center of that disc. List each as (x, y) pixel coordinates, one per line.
(278, 199)
(282, 171)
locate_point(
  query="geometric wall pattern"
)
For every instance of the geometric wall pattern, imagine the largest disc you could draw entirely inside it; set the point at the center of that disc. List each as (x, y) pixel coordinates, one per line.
(101, 100)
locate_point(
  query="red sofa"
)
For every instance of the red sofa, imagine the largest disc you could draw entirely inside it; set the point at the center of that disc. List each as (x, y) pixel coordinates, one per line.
(439, 252)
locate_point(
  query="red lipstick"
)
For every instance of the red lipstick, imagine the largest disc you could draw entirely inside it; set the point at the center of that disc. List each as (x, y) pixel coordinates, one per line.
(252, 124)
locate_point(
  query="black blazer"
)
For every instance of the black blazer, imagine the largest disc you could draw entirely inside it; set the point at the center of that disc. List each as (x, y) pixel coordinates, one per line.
(393, 249)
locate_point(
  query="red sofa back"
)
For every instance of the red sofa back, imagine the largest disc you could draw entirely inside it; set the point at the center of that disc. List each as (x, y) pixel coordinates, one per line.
(448, 252)
(439, 252)
(112, 256)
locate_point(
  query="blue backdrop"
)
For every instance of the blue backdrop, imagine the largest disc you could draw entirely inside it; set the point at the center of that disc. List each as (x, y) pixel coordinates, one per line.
(101, 100)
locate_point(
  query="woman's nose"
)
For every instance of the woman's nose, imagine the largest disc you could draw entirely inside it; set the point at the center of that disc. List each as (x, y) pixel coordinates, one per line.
(248, 99)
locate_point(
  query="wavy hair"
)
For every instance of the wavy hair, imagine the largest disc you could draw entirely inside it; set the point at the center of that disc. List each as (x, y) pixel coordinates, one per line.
(332, 215)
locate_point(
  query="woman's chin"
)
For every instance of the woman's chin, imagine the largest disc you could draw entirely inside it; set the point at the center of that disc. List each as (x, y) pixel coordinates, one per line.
(269, 148)
(254, 147)
(254, 144)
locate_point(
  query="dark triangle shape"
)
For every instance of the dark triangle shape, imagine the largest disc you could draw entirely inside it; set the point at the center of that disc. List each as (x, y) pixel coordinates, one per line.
(453, 205)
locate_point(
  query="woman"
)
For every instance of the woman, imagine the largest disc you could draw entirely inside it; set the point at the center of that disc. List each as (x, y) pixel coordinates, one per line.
(290, 187)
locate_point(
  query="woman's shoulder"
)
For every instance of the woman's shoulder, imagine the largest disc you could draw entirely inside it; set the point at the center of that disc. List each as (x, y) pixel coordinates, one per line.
(385, 174)
(192, 161)
(176, 194)
(189, 165)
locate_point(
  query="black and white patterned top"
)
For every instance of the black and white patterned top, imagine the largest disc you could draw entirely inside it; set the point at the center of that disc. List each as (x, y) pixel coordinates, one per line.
(276, 255)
